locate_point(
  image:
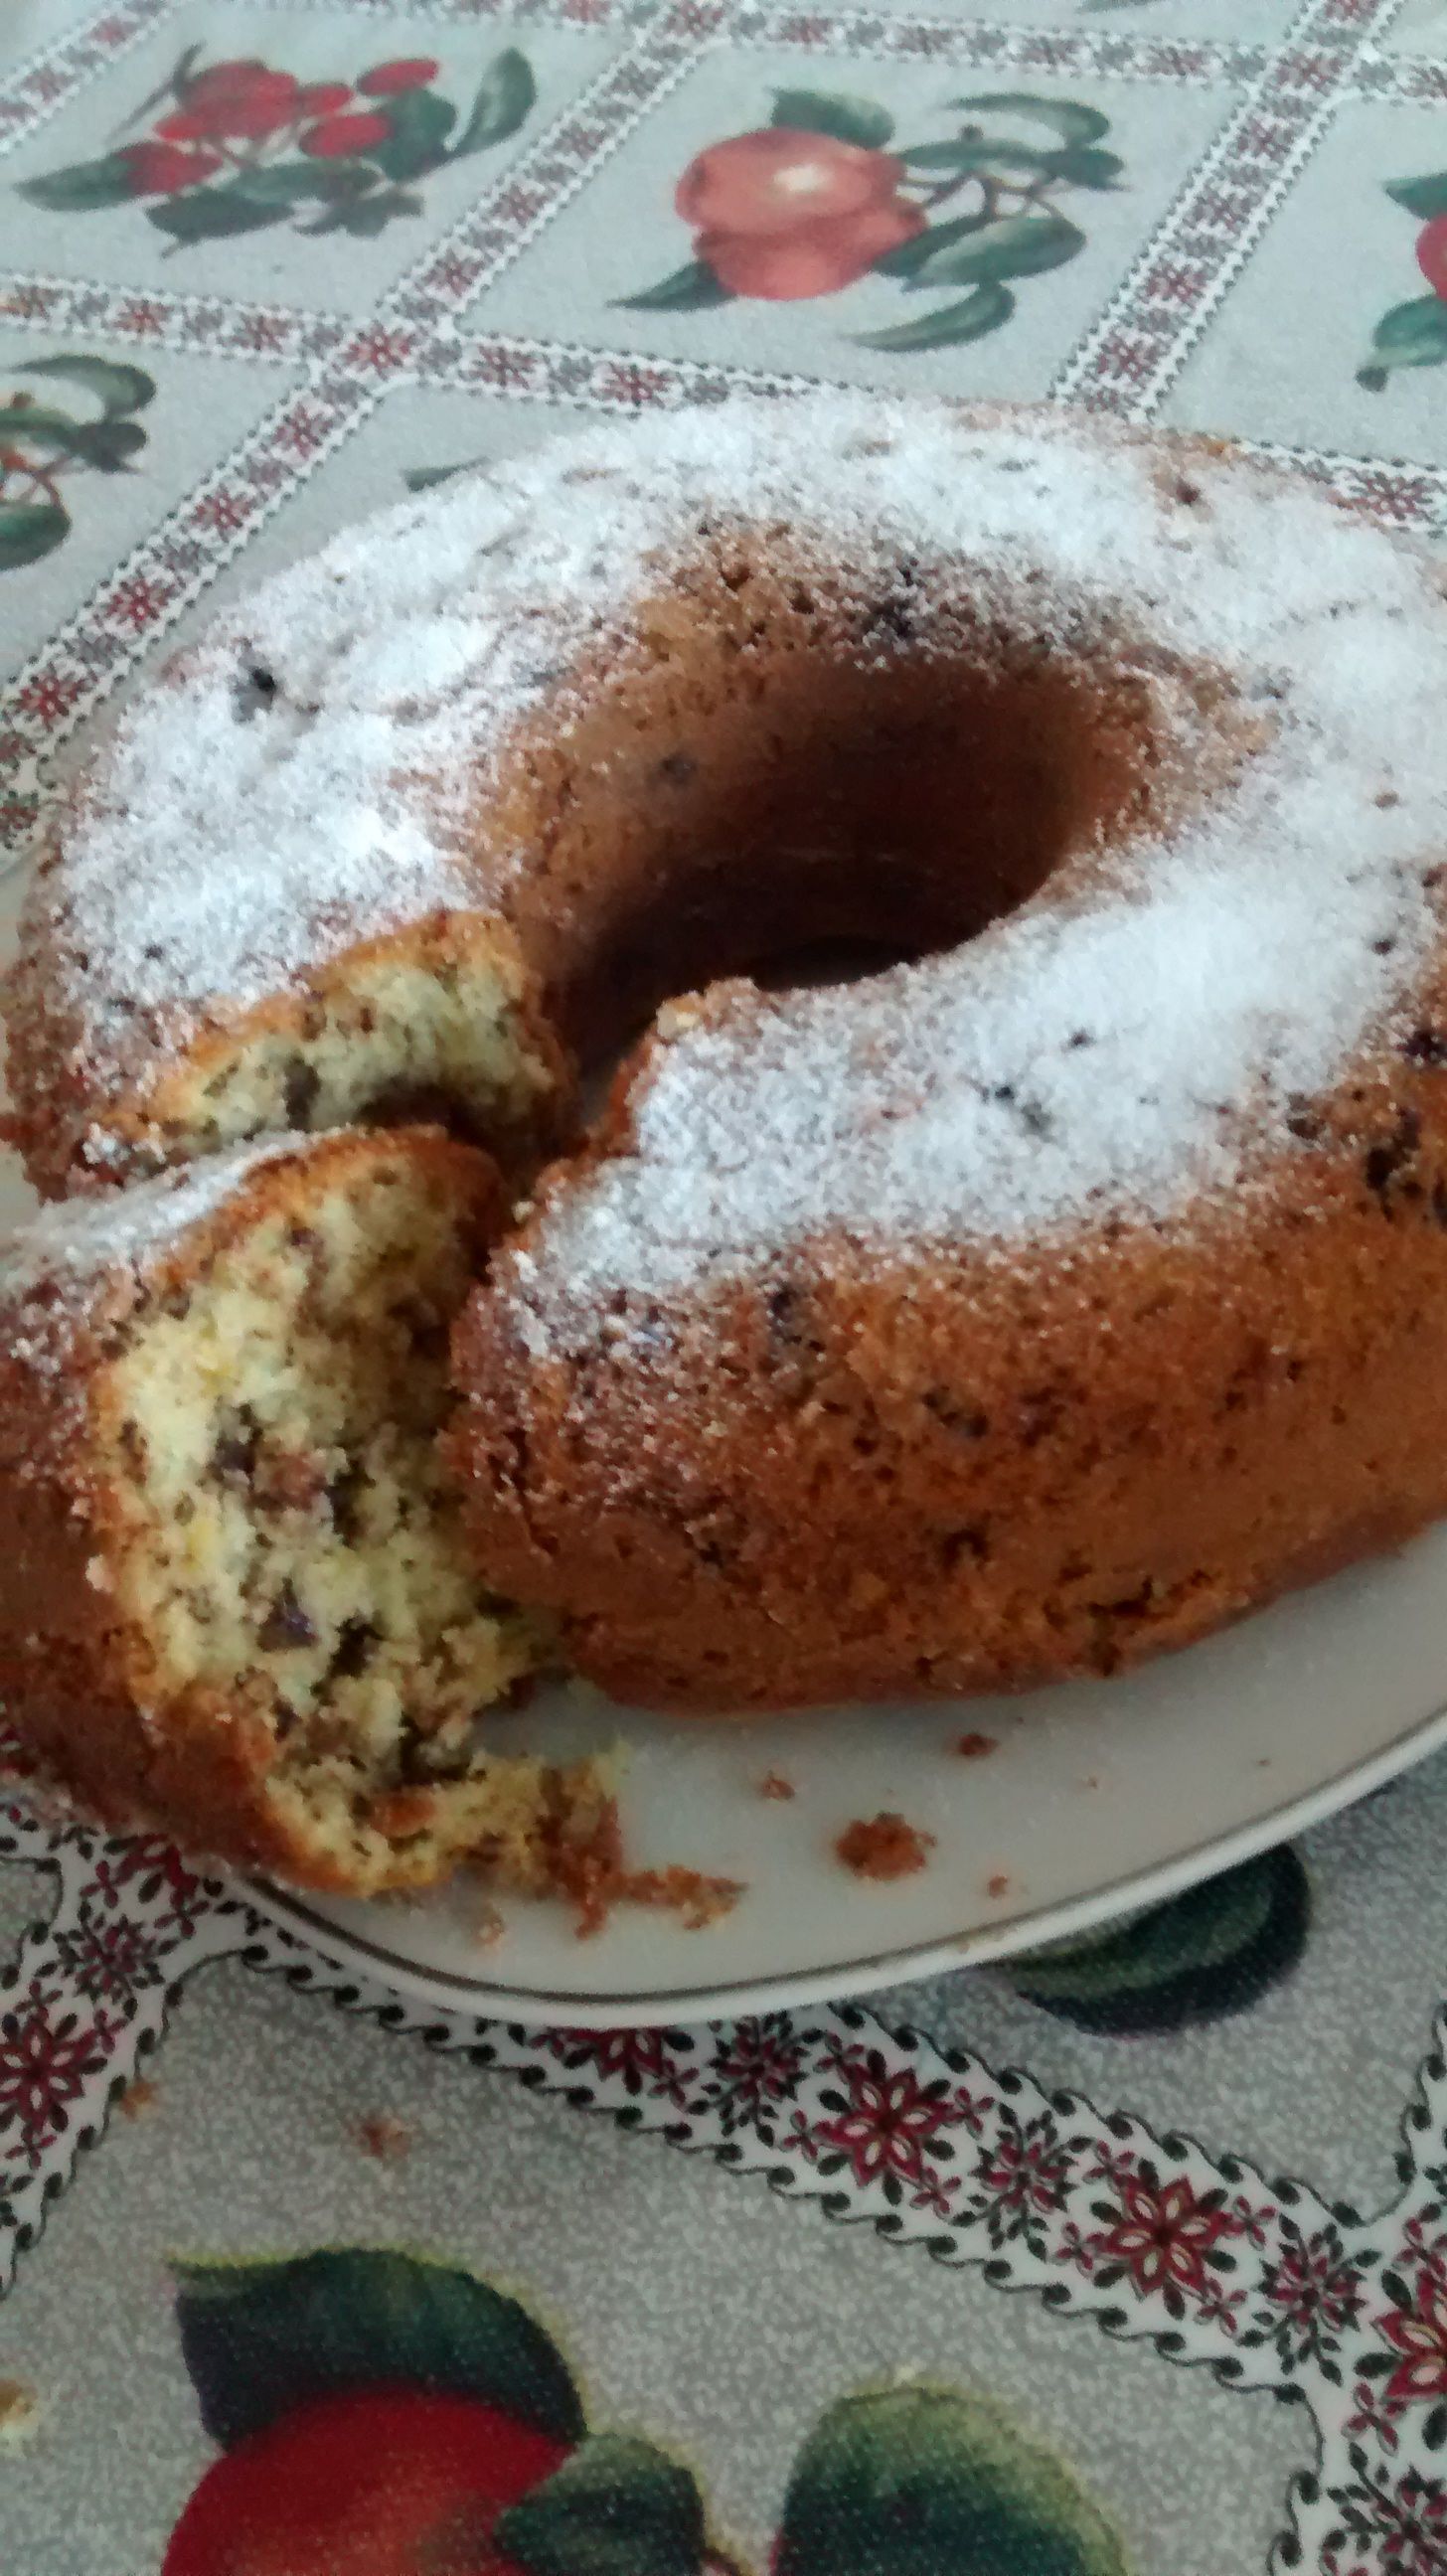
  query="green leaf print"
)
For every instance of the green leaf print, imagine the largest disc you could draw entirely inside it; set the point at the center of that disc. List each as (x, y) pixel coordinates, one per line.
(1411, 335)
(983, 311)
(212, 214)
(108, 445)
(1198, 1957)
(506, 96)
(289, 183)
(618, 2507)
(117, 388)
(1426, 196)
(1067, 117)
(926, 2482)
(690, 289)
(849, 120)
(28, 531)
(1016, 246)
(421, 123)
(82, 188)
(262, 2337)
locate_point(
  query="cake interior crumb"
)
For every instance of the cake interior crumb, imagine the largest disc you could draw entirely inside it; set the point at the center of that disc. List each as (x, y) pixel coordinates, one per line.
(440, 1030)
(290, 1542)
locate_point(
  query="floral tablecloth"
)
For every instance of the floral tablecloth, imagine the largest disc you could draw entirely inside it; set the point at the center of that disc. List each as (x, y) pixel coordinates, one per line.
(1132, 2260)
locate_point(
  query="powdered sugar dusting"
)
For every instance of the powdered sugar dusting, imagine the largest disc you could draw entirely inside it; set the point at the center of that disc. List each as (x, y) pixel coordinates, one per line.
(74, 1247)
(309, 777)
(1127, 1054)
(303, 779)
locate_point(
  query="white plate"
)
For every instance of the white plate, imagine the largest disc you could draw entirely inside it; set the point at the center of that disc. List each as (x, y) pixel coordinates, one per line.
(1100, 1796)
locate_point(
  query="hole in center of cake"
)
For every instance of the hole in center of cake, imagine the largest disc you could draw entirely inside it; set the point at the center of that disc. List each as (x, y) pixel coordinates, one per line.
(798, 782)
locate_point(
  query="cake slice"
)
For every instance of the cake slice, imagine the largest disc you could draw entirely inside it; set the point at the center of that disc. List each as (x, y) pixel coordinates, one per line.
(235, 1604)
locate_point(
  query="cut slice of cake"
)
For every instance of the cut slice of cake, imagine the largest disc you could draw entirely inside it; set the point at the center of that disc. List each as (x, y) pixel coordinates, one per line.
(235, 1602)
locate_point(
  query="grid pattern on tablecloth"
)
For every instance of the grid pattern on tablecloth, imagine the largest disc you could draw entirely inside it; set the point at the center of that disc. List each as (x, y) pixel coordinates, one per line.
(1212, 252)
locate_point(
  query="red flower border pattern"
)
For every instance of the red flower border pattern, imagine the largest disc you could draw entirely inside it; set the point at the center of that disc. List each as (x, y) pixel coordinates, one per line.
(1262, 2281)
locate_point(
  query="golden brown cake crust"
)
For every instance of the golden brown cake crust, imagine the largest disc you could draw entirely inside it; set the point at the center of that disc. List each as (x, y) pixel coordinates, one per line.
(77, 1678)
(971, 1474)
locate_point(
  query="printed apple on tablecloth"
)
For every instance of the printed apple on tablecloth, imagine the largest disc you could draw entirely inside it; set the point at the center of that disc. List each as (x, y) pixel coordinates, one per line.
(825, 194)
(381, 2414)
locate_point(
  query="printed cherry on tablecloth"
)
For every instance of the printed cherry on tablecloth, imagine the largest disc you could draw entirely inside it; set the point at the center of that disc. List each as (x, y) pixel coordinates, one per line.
(815, 201)
(380, 2413)
(242, 145)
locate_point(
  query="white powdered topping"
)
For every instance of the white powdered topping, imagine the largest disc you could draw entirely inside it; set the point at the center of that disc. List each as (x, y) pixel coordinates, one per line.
(75, 1246)
(1120, 1053)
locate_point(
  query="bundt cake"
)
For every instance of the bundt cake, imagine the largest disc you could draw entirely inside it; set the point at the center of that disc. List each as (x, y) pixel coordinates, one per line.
(1061, 1278)
(234, 1602)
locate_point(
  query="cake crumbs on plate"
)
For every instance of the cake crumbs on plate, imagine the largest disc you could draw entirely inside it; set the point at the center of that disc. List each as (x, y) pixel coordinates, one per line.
(19, 2414)
(774, 1785)
(486, 1925)
(974, 1746)
(998, 1883)
(883, 1846)
(589, 1871)
(139, 2098)
(694, 1897)
(385, 2138)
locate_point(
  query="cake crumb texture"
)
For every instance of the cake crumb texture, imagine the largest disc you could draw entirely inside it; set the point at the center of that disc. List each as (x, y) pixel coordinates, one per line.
(883, 1847)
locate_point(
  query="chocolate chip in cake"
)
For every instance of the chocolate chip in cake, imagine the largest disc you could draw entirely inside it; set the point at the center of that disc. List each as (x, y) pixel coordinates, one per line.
(299, 1091)
(353, 1650)
(286, 1624)
(428, 1334)
(965, 1419)
(1383, 1162)
(341, 1496)
(235, 1453)
(420, 1765)
(132, 1442)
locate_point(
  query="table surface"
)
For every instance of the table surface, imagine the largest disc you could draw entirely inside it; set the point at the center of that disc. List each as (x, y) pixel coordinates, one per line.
(761, 2290)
